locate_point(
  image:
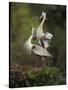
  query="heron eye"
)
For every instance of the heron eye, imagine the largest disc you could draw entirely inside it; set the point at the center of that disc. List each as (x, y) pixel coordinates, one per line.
(33, 47)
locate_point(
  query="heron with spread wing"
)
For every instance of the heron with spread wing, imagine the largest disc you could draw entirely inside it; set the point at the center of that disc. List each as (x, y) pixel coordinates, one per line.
(36, 49)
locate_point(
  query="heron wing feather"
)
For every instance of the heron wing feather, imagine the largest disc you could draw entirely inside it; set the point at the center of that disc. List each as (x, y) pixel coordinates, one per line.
(41, 51)
(34, 31)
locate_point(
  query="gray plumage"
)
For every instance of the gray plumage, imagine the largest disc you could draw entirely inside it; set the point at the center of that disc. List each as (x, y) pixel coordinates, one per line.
(38, 50)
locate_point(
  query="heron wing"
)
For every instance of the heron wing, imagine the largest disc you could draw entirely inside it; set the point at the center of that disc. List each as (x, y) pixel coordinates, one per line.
(41, 51)
(27, 47)
(34, 31)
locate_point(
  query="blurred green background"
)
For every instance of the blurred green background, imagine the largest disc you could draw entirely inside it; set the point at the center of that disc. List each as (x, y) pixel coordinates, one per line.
(23, 17)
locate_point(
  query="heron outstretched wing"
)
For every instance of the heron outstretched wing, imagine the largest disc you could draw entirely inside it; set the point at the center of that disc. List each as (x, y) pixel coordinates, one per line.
(26, 47)
(34, 32)
(41, 51)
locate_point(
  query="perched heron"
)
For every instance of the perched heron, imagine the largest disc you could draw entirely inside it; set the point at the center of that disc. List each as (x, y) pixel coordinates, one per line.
(39, 35)
(36, 49)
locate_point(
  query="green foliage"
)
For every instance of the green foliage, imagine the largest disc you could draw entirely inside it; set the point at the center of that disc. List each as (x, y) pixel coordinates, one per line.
(46, 76)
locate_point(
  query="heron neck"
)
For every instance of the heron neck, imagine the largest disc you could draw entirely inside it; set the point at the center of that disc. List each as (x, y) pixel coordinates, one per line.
(42, 22)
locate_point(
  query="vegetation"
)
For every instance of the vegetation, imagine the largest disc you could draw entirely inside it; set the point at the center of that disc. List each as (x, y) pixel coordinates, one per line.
(44, 76)
(22, 17)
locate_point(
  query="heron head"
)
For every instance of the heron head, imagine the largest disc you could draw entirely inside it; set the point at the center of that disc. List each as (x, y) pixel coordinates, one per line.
(48, 35)
(43, 14)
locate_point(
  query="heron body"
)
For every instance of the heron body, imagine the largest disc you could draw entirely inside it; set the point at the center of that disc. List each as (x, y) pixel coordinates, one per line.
(36, 49)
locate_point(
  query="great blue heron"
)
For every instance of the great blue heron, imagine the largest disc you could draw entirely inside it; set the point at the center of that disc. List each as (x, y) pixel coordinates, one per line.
(39, 35)
(36, 49)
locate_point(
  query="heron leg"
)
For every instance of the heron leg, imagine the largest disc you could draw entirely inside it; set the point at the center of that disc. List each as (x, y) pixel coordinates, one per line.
(47, 61)
(43, 61)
